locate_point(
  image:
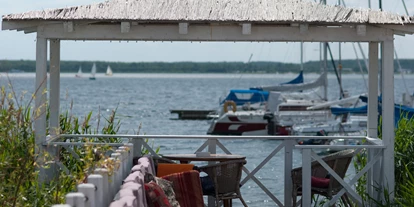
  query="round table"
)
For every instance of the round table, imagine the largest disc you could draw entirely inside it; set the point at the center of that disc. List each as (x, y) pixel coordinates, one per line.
(186, 158)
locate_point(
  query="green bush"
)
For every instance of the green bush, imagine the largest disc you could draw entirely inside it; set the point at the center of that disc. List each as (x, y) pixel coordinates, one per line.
(19, 164)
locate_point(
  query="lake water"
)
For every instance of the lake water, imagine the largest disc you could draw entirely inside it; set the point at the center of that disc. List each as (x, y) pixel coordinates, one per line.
(147, 98)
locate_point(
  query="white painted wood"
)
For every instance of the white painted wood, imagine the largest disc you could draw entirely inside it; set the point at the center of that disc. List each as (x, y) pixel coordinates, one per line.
(68, 26)
(117, 157)
(112, 185)
(105, 190)
(97, 181)
(88, 190)
(361, 30)
(246, 29)
(373, 176)
(76, 199)
(62, 205)
(183, 28)
(125, 27)
(288, 168)
(303, 28)
(306, 177)
(212, 148)
(40, 106)
(373, 90)
(22, 25)
(54, 88)
(214, 33)
(124, 163)
(388, 114)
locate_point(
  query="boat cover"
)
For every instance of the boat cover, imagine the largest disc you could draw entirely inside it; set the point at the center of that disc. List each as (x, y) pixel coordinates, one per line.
(400, 111)
(356, 110)
(243, 96)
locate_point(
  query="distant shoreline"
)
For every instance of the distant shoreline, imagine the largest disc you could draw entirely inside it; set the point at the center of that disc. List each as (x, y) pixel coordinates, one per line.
(349, 67)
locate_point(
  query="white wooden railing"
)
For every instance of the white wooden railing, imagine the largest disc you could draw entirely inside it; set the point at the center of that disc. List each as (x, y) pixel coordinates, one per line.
(104, 183)
(212, 143)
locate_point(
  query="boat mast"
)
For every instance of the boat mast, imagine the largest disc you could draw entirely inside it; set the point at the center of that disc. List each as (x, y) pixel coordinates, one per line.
(340, 63)
(325, 65)
(301, 56)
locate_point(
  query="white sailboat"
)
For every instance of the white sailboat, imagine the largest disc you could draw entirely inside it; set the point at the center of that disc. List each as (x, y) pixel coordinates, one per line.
(93, 72)
(108, 71)
(79, 74)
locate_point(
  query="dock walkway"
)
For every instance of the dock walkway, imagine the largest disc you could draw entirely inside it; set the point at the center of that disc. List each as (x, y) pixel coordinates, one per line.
(192, 114)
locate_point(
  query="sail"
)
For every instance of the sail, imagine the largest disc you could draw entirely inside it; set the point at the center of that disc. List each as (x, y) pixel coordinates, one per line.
(79, 74)
(108, 71)
(295, 87)
(297, 80)
(93, 72)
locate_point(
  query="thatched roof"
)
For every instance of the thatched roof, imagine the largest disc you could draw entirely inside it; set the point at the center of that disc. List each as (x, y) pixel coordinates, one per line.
(262, 11)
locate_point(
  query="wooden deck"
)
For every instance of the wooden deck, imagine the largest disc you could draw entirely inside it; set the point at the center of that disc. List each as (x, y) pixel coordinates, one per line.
(192, 114)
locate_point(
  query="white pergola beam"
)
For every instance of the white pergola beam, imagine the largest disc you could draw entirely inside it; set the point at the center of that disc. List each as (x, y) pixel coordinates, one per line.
(125, 27)
(361, 30)
(246, 29)
(19, 25)
(183, 28)
(387, 74)
(68, 27)
(213, 33)
(303, 28)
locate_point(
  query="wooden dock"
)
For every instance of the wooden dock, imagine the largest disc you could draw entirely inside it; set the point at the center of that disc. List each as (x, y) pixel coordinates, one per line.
(192, 114)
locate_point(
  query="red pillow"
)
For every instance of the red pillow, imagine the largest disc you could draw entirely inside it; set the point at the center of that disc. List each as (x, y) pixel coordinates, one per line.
(319, 182)
(155, 195)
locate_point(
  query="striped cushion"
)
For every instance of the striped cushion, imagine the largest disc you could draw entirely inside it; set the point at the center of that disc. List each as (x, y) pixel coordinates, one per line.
(187, 188)
(155, 195)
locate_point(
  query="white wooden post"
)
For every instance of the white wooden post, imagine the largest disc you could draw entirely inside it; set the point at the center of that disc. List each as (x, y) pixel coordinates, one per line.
(373, 177)
(123, 164)
(306, 177)
(54, 87)
(62, 205)
(388, 113)
(40, 106)
(88, 190)
(212, 148)
(54, 104)
(105, 186)
(118, 170)
(288, 168)
(97, 181)
(130, 158)
(75, 199)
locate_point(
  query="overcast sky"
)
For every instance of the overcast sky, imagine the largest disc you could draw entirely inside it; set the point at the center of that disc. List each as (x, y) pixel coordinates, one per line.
(17, 45)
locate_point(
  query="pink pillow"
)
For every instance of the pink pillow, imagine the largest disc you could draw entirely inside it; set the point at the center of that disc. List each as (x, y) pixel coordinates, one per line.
(319, 182)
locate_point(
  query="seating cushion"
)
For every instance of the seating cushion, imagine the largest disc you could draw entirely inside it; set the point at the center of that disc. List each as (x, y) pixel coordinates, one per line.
(167, 187)
(187, 188)
(167, 169)
(319, 182)
(155, 195)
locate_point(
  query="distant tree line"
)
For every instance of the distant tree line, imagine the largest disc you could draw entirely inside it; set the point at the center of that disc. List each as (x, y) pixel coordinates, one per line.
(349, 66)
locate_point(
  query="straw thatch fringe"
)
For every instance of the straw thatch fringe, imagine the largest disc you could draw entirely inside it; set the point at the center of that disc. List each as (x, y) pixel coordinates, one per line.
(271, 11)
